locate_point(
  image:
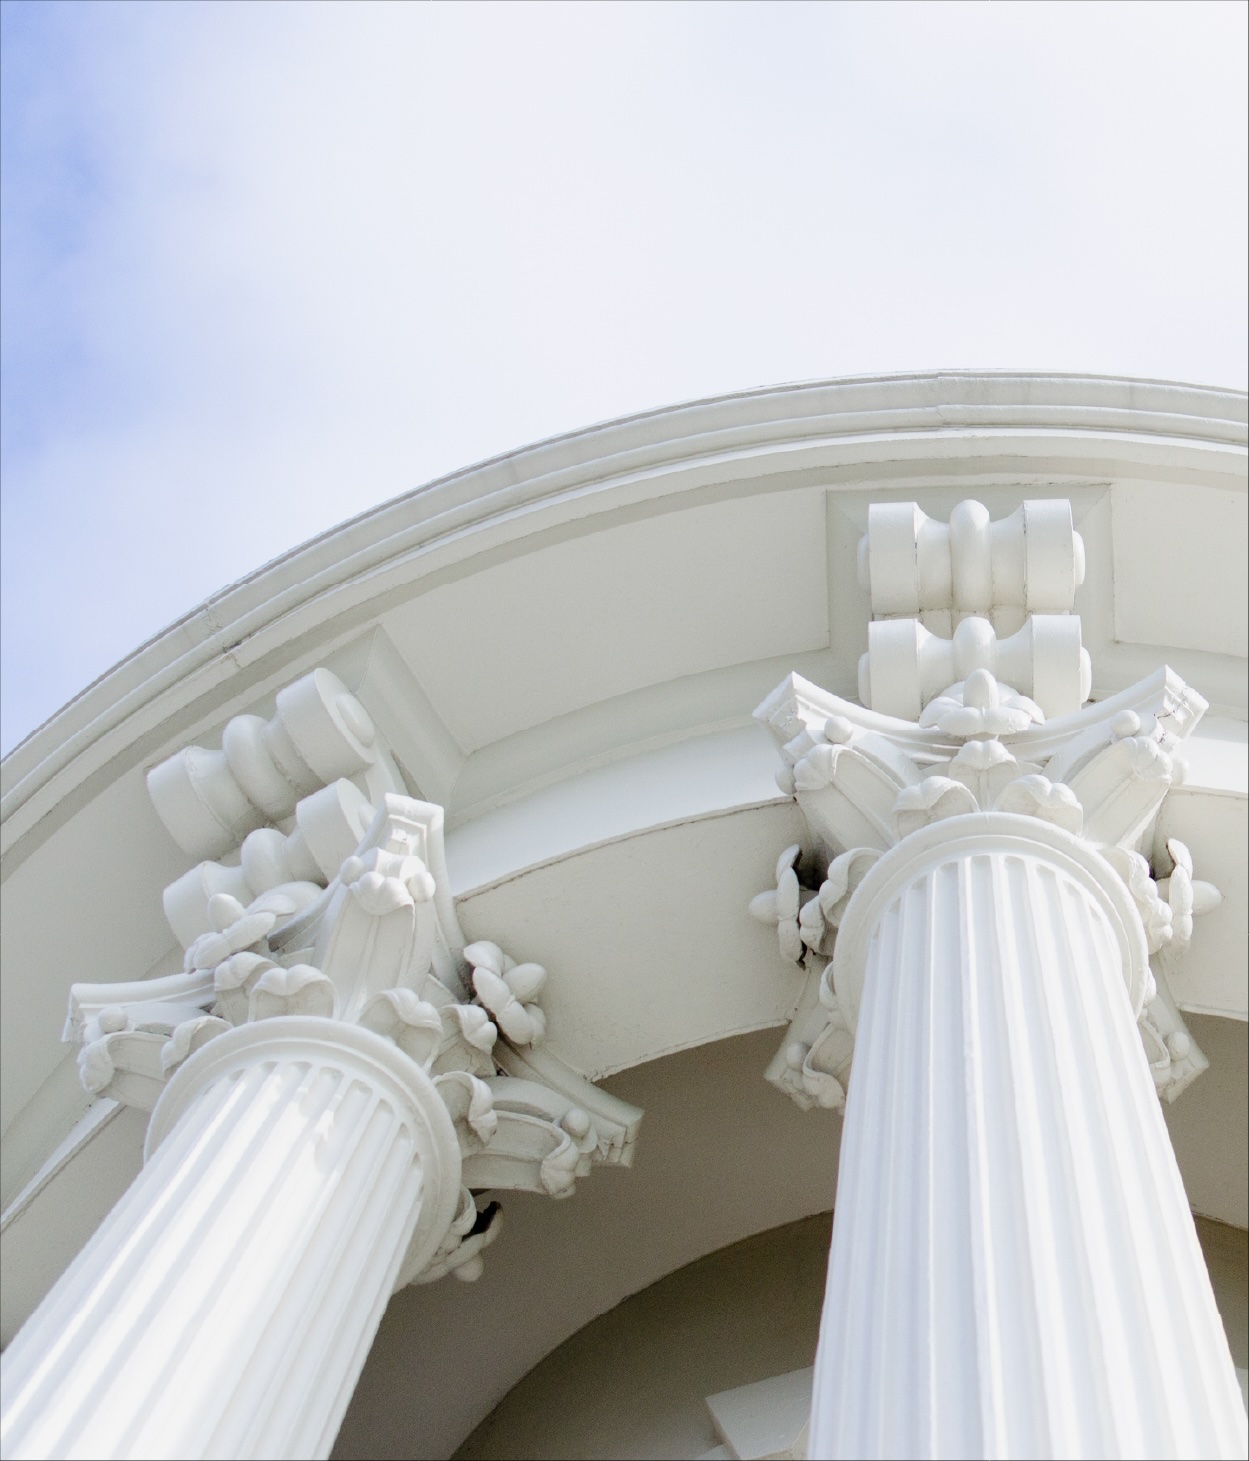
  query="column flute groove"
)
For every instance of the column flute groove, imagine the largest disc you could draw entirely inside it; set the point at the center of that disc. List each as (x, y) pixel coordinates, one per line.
(274, 1218)
(997, 1054)
(332, 1075)
(1014, 1269)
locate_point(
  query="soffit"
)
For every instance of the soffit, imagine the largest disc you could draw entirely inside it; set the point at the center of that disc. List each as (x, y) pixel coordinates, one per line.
(889, 432)
(612, 611)
(1181, 573)
(643, 939)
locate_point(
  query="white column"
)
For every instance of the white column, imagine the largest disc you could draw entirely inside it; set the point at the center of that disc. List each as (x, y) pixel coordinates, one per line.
(227, 1304)
(1014, 1271)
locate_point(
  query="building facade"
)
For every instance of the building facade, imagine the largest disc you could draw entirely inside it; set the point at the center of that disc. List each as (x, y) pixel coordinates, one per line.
(602, 823)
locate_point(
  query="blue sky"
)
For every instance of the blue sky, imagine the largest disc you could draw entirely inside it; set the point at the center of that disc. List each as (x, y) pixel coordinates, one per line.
(265, 265)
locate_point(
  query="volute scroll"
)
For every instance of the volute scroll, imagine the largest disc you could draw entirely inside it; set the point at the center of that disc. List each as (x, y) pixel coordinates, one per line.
(339, 914)
(972, 725)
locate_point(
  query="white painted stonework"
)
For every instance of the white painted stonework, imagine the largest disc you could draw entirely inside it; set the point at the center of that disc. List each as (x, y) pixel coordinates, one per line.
(385, 867)
(227, 1304)
(331, 1078)
(1006, 1171)
(990, 911)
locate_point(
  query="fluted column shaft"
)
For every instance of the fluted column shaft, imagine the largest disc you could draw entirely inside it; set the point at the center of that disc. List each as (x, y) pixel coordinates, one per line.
(1014, 1269)
(226, 1305)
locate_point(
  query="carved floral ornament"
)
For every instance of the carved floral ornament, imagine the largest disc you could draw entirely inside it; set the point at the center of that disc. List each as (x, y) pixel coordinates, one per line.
(866, 781)
(342, 911)
(331, 898)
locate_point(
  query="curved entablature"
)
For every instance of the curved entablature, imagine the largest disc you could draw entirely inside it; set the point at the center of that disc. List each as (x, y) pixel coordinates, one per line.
(882, 432)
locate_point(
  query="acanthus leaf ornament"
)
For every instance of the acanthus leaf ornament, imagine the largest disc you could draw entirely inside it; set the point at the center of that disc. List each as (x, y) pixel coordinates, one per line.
(509, 991)
(820, 915)
(348, 918)
(1186, 897)
(782, 906)
(1033, 795)
(1155, 911)
(935, 798)
(414, 1024)
(460, 1254)
(986, 768)
(979, 706)
(866, 780)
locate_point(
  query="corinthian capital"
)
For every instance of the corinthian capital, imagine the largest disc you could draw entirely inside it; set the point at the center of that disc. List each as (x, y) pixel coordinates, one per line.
(1026, 745)
(344, 914)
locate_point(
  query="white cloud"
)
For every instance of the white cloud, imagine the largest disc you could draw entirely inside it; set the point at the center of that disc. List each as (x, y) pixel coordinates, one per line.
(269, 264)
